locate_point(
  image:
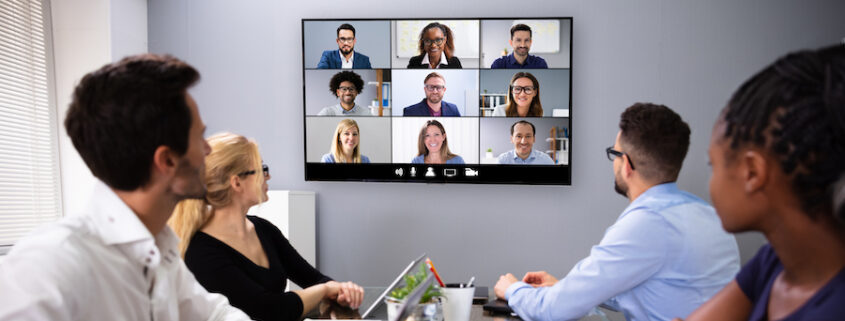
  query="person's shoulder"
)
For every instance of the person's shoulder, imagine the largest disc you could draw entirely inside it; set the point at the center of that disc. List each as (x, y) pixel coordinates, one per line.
(543, 156)
(327, 158)
(418, 159)
(415, 62)
(327, 111)
(505, 157)
(329, 52)
(498, 63)
(454, 62)
(499, 111)
(365, 159)
(457, 160)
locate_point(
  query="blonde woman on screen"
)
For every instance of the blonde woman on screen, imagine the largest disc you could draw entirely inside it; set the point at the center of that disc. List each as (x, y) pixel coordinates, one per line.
(433, 147)
(244, 257)
(346, 144)
(523, 97)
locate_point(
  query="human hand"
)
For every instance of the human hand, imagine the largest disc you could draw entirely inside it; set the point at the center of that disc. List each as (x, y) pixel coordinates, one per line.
(504, 283)
(539, 279)
(350, 295)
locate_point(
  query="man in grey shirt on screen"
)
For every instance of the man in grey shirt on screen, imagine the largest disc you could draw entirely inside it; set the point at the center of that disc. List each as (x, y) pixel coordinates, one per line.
(523, 153)
(345, 85)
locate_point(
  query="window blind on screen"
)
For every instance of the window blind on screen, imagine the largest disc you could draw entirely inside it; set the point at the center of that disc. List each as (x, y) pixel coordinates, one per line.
(29, 171)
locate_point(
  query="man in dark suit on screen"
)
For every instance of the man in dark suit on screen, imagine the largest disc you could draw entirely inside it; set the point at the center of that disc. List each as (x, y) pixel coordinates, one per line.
(345, 56)
(433, 105)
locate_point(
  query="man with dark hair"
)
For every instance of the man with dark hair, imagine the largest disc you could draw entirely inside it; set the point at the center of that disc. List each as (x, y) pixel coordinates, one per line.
(434, 86)
(521, 43)
(140, 132)
(345, 85)
(666, 253)
(345, 56)
(523, 153)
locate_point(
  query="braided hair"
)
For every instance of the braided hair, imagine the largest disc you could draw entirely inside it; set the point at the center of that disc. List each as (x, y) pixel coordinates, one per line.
(795, 108)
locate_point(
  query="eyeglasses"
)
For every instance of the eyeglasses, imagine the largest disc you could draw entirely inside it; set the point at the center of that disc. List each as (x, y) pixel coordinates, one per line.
(526, 89)
(435, 87)
(613, 154)
(347, 89)
(346, 40)
(436, 41)
(264, 168)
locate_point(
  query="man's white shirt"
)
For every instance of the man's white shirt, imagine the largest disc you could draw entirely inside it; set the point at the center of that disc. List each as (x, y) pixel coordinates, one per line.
(104, 264)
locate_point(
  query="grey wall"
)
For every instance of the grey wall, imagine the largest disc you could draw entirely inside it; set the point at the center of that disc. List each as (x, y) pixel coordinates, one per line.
(318, 95)
(554, 85)
(496, 132)
(371, 39)
(689, 55)
(496, 33)
(374, 137)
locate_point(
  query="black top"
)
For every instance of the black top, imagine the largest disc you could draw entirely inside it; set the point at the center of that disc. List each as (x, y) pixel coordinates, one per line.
(416, 63)
(259, 292)
(756, 279)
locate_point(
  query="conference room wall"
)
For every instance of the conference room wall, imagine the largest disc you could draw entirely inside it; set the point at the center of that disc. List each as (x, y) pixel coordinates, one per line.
(689, 55)
(370, 39)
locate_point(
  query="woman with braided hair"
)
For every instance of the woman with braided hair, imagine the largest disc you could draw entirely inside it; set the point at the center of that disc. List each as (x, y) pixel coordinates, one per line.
(778, 160)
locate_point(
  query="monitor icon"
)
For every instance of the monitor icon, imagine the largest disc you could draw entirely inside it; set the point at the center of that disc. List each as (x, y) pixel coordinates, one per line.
(450, 172)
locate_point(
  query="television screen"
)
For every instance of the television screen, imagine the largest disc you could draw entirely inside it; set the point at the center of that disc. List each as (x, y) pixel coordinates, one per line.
(473, 100)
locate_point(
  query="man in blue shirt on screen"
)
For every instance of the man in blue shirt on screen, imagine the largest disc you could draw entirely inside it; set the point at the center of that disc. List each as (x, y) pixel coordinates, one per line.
(521, 43)
(523, 153)
(665, 255)
(345, 56)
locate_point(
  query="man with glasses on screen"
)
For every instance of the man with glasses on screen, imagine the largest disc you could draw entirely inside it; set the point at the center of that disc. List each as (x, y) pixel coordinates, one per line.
(345, 85)
(345, 56)
(521, 43)
(433, 105)
(665, 255)
(523, 153)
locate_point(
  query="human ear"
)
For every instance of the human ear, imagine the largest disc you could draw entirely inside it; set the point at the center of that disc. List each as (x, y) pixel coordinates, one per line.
(235, 183)
(165, 161)
(754, 171)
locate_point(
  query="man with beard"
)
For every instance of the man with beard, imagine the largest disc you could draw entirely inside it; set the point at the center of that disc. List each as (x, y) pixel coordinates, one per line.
(345, 85)
(664, 256)
(523, 153)
(140, 133)
(521, 43)
(433, 105)
(345, 56)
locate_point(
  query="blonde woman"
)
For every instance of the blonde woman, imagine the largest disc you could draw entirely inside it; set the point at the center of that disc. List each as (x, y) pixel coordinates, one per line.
(523, 97)
(246, 258)
(345, 144)
(432, 146)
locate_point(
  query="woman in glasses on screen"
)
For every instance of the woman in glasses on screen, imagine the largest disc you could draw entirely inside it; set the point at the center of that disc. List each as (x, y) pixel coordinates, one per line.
(437, 49)
(433, 147)
(346, 144)
(244, 257)
(523, 97)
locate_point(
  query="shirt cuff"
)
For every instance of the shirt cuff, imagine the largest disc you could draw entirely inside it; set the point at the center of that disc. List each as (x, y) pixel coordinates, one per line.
(516, 286)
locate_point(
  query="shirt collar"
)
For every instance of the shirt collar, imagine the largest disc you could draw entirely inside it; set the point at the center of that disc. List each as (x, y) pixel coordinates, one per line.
(531, 156)
(343, 58)
(665, 188)
(512, 60)
(443, 60)
(354, 109)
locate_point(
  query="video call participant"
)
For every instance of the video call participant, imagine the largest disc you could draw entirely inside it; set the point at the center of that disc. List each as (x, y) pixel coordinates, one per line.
(777, 153)
(664, 256)
(345, 85)
(345, 56)
(140, 133)
(346, 146)
(437, 49)
(521, 43)
(433, 147)
(433, 105)
(523, 98)
(244, 257)
(523, 153)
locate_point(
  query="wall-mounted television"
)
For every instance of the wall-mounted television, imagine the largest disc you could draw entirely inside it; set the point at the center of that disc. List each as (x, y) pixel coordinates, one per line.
(457, 100)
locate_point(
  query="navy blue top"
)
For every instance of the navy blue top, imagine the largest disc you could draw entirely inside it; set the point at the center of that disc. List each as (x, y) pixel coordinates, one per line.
(509, 62)
(421, 109)
(331, 60)
(756, 279)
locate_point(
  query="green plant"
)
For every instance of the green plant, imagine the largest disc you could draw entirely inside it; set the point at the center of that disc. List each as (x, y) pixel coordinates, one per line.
(489, 150)
(412, 280)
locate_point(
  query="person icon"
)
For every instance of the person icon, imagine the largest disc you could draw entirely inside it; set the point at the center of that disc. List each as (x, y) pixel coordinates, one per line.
(429, 172)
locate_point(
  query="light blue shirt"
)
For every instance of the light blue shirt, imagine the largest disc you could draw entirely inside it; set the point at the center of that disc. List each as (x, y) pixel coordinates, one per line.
(665, 256)
(454, 160)
(535, 158)
(329, 158)
(337, 110)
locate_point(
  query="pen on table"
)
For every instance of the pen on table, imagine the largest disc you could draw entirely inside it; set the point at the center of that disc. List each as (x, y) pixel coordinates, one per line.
(434, 271)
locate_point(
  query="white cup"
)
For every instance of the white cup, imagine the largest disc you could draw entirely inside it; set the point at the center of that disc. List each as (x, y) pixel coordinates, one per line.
(457, 301)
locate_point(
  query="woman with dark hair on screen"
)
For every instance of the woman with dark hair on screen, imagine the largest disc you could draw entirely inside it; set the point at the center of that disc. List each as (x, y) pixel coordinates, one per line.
(244, 257)
(523, 97)
(346, 146)
(778, 159)
(437, 49)
(433, 147)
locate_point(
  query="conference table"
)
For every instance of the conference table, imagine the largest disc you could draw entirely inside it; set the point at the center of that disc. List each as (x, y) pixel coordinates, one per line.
(331, 310)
